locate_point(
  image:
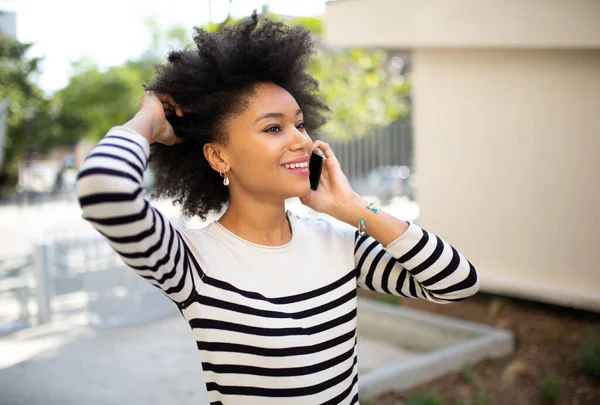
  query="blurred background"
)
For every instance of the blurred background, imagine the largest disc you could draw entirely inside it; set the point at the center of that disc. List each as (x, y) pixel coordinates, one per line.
(478, 119)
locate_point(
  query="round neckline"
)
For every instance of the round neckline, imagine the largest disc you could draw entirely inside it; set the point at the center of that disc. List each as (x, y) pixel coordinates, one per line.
(256, 245)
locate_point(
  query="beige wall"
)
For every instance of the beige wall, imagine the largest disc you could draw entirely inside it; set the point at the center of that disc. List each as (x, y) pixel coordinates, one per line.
(507, 132)
(508, 158)
(464, 23)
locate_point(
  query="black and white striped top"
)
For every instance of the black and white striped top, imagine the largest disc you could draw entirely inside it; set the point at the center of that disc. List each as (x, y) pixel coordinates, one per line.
(273, 325)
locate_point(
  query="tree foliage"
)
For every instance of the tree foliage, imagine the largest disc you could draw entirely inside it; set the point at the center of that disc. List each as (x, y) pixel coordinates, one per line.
(355, 83)
(31, 124)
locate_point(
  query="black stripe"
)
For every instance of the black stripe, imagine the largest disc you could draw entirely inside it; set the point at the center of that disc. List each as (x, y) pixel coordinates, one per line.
(101, 198)
(178, 257)
(282, 300)
(338, 399)
(121, 147)
(106, 172)
(179, 287)
(435, 255)
(138, 237)
(468, 282)
(244, 309)
(126, 140)
(281, 392)
(203, 323)
(359, 240)
(154, 248)
(122, 220)
(400, 282)
(411, 287)
(277, 372)
(421, 290)
(120, 159)
(416, 249)
(275, 352)
(373, 268)
(364, 255)
(450, 268)
(385, 277)
(165, 259)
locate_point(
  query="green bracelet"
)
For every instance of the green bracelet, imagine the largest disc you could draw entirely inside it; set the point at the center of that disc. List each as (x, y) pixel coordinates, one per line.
(362, 228)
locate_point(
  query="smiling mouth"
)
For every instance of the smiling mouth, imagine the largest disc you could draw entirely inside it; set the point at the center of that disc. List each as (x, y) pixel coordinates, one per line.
(296, 166)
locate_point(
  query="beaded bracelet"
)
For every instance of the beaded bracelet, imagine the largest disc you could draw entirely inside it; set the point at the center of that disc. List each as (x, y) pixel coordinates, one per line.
(362, 227)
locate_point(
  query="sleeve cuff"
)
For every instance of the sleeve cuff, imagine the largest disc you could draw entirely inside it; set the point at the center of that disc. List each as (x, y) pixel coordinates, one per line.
(405, 242)
(132, 135)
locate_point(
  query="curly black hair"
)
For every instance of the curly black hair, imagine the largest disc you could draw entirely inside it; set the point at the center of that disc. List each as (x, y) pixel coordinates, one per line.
(214, 82)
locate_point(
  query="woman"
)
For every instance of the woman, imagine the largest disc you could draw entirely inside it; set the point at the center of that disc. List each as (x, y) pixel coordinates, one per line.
(270, 297)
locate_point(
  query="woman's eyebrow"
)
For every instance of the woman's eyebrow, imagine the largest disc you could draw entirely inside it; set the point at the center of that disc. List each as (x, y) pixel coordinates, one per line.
(275, 115)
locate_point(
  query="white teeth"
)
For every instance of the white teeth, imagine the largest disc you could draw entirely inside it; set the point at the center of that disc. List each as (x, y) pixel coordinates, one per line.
(296, 165)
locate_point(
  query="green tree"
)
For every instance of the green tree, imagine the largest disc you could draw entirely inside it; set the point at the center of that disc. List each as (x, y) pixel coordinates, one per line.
(354, 82)
(31, 123)
(93, 100)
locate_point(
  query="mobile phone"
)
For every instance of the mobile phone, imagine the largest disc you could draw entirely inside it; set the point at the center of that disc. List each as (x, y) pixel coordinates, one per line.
(315, 165)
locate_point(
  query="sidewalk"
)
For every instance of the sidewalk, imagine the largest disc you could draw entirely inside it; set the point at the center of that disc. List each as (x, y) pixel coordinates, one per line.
(155, 363)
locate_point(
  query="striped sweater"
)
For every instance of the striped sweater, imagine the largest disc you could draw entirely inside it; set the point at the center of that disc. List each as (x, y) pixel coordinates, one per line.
(273, 325)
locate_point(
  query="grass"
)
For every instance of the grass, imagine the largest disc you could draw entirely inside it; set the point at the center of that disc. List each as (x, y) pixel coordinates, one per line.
(588, 357)
(550, 389)
(466, 373)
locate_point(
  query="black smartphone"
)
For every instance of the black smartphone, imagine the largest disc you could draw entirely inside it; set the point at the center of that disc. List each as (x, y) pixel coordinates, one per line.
(315, 165)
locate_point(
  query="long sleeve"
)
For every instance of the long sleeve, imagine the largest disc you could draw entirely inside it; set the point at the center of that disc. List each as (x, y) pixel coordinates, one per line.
(111, 194)
(416, 265)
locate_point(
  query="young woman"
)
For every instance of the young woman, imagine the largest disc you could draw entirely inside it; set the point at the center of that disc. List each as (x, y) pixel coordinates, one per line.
(270, 297)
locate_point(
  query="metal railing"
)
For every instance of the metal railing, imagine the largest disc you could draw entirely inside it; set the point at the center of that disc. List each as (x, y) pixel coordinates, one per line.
(380, 163)
(76, 276)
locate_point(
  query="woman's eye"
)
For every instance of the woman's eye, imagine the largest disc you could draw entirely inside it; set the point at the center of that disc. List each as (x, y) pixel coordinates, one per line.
(274, 128)
(300, 125)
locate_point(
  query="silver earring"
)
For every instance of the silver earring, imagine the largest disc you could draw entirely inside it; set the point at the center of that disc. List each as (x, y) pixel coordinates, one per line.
(225, 178)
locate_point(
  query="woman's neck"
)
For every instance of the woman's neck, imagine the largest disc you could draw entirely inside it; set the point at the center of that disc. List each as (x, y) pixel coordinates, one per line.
(258, 222)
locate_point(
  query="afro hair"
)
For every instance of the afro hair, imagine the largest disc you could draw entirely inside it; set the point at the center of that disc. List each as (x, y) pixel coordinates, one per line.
(212, 83)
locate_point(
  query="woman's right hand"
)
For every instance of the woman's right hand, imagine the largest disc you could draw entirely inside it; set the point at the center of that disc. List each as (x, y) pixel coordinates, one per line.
(151, 120)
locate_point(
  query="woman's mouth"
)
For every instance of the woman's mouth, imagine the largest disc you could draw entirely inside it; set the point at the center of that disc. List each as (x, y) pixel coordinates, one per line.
(297, 168)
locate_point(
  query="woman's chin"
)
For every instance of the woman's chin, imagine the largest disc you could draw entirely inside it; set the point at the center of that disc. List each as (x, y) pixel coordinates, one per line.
(299, 191)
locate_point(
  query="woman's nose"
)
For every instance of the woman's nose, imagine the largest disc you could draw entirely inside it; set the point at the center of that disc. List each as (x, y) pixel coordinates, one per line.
(301, 140)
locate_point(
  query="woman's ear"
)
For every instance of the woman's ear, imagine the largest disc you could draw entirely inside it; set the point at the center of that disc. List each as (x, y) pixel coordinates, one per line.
(215, 156)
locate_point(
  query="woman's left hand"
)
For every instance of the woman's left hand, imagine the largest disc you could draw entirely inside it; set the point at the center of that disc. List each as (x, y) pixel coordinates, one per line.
(334, 190)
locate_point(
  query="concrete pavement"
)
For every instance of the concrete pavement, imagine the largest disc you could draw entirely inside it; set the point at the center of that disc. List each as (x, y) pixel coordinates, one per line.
(154, 363)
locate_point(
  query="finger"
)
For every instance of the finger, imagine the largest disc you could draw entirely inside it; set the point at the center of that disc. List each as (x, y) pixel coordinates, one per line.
(164, 98)
(329, 155)
(168, 107)
(179, 111)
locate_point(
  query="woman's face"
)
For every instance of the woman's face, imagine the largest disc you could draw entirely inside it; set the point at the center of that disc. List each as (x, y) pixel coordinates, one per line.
(268, 149)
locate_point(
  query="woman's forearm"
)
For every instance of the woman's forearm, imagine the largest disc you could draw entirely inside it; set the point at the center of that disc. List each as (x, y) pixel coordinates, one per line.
(382, 226)
(142, 124)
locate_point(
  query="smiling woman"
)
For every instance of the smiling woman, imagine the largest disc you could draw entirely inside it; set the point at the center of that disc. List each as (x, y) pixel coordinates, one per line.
(270, 297)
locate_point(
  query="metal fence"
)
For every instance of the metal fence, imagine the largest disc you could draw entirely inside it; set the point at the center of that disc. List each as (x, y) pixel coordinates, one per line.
(381, 163)
(76, 277)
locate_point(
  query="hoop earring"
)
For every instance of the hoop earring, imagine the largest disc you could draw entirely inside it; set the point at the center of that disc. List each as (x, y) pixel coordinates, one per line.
(225, 178)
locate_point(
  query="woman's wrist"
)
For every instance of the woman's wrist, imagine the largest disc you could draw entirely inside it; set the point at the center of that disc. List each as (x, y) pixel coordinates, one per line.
(351, 211)
(144, 124)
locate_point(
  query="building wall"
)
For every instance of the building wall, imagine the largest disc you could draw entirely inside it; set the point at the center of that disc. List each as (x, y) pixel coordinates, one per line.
(508, 159)
(465, 23)
(506, 115)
